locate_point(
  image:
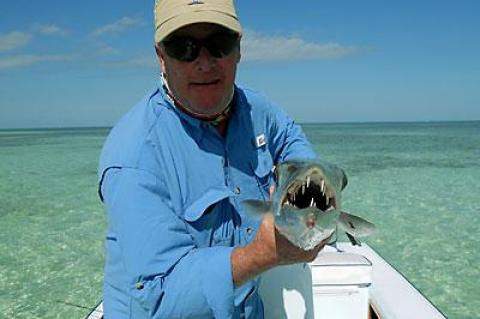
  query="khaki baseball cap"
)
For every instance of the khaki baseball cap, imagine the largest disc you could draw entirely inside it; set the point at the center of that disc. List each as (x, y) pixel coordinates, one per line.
(171, 15)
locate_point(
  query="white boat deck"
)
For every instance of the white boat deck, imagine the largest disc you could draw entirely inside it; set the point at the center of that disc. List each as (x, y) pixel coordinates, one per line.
(96, 313)
(392, 296)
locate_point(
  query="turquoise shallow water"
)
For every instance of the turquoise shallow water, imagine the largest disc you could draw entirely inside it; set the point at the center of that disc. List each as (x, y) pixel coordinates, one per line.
(51, 223)
(419, 182)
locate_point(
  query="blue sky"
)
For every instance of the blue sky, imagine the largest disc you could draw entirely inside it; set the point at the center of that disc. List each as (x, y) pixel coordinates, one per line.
(85, 63)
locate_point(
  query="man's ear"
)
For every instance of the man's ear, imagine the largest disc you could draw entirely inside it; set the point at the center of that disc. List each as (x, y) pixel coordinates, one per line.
(160, 56)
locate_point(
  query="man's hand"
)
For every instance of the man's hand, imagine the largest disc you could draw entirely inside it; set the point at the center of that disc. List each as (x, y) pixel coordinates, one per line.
(267, 250)
(278, 250)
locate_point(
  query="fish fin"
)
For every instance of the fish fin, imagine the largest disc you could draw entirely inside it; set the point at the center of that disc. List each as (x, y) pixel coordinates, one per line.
(355, 226)
(354, 241)
(344, 179)
(334, 242)
(256, 208)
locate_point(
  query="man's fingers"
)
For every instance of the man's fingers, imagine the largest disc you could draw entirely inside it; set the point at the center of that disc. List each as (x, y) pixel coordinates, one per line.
(271, 189)
(268, 219)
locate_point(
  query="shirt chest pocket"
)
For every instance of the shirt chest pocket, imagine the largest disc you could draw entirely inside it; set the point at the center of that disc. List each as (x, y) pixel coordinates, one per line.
(263, 169)
(210, 219)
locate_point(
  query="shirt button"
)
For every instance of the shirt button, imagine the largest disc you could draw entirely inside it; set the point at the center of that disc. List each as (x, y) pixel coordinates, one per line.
(139, 285)
(237, 190)
(249, 230)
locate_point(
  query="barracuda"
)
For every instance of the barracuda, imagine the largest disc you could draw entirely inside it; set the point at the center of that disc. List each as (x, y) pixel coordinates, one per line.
(306, 204)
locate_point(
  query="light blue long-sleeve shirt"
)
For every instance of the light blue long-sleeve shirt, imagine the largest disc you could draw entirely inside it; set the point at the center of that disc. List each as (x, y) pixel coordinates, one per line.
(172, 186)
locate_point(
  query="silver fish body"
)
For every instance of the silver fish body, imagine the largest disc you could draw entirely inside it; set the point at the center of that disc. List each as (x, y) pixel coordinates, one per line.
(306, 204)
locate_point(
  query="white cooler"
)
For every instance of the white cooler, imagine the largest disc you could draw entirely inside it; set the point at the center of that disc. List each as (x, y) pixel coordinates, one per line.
(340, 284)
(335, 286)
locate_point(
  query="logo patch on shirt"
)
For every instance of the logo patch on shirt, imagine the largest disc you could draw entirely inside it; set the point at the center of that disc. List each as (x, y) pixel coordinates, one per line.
(260, 140)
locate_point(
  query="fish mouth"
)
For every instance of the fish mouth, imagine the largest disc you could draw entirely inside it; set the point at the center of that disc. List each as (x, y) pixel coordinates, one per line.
(312, 191)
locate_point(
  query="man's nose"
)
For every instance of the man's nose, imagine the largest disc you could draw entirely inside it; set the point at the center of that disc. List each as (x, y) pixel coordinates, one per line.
(205, 61)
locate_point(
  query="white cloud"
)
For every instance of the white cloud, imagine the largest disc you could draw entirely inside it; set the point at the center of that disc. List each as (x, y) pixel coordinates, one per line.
(149, 61)
(104, 49)
(26, 59)
(13, 40)
(118, 26)
(258, 47)
(50, 30)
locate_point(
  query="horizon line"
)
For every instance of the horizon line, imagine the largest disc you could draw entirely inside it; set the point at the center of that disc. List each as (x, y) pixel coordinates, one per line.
(48, 128)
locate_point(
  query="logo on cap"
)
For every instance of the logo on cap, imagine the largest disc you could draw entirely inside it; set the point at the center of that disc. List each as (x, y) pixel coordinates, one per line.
(196, 2)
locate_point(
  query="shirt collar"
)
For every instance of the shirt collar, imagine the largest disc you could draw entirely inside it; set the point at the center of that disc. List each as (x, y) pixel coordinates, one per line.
(171, 105)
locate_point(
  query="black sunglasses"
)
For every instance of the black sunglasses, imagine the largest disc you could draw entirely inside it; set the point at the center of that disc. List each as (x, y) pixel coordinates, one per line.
(187, 49)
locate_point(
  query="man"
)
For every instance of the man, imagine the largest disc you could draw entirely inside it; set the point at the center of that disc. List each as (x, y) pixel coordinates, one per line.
(175, 169)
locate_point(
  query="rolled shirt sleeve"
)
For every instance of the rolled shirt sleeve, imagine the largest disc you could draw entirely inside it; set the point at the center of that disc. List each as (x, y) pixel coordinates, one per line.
(168, 276)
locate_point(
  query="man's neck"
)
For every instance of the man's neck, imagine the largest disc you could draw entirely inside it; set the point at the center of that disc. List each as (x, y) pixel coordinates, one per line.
(223, 126)
(218, 120)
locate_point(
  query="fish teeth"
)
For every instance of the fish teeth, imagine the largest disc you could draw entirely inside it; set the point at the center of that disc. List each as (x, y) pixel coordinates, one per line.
(312, 203)
(308, 181)
(327, 200)
(322, 186)
(303, 189)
